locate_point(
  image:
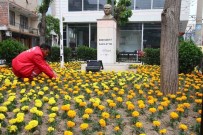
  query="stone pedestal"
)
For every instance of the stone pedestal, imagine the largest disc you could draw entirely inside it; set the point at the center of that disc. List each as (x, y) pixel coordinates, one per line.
(106, 40)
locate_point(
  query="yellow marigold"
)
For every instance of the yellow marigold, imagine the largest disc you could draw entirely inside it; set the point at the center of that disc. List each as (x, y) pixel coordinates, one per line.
(55, 108)
(186, 105)
(2, 116)
(85, 116)
(130, 107)
(84, 126)
(141, 106)
(65, 107)
(50, 120)
(119, 99)
(152, 110)
(112, 104)
(82, 104)
(3, 109)
(118, 116)
(68, 133)
(52, 115)
(12, 128)
(160, 108)
(183, 127)
(156, 123)
(116, 128)
(138, 124)
(71, 113)
(135, 113)
(70, 124)
(50, 129)
(88, 111)
(173, 115)
(102, 122)
(180, 109)
(162, 131)
(105, 115)
(198, 120)
(101, 107)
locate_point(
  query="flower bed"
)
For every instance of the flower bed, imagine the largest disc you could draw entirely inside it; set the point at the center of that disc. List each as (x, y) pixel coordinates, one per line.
(99, 103)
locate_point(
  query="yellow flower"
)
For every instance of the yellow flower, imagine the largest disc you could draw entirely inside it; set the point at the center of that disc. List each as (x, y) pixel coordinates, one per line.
(82, 104)
(65, 107)
(84, 126)
(50, 120)
(2, 116)
(71, 113)
(50, 129)
(12, 128)
(138, 124)
(152, 110)
(45, 88)
(88, 111)
(85, 116)
(173, 115)
(162, 131)
(183, 127)
(32, 124)
(70, 124)
(156, 123)
(3, 109)
(105, 115)
(52, 115)
(118, 116)
(55, 108)
(68, 133)
(130, 106)
(141, 106)
(116, 128)
(101, 107)
(135, 114)
(198, 120)
(102, 122)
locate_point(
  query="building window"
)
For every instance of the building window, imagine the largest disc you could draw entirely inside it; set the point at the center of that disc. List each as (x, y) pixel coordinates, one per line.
(158, 4)
(143, 4)
(90, 5)
(132, 5)
(78, 35)
(75, 5)
(23, 22)
(130, 37)
(86, 5)
(101, 4)
(152, 35)
(12, 17)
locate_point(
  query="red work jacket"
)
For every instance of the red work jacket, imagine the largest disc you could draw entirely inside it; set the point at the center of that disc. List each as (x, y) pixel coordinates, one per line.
(29, 60)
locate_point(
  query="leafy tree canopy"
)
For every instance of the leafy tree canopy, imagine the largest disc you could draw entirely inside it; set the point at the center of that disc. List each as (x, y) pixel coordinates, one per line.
(122, 11)
(52, 24)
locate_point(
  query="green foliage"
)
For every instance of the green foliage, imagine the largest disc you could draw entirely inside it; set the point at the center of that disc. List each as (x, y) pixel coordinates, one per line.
(43, 8)
(52, 24)
(121, 11)
(55, 54)
(86, 53)
(189, 56)
(151, 56)
(9, 49)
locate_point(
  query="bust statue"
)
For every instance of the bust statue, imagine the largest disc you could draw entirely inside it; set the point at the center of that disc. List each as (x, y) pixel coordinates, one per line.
(107, 12)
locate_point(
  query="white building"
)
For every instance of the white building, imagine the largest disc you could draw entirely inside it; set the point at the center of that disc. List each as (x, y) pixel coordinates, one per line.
(143, 30)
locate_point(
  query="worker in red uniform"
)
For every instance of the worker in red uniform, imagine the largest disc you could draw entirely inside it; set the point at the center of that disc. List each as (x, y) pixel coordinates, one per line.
(31, 63)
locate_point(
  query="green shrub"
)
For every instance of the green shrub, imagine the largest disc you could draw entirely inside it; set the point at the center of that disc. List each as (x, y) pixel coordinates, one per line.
(86, 53)
(9, 49)
(189, 56)
(55, 54)
(151, 56)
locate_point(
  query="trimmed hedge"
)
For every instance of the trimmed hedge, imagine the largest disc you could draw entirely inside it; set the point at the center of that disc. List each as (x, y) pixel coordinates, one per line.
(85, 53)
(9, 49)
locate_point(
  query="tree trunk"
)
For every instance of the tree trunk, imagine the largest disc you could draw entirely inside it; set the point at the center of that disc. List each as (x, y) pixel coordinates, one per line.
(42, 29)
(170, 19)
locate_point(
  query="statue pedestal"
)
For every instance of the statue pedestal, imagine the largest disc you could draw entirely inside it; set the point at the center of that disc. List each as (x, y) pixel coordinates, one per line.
(106, 40)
